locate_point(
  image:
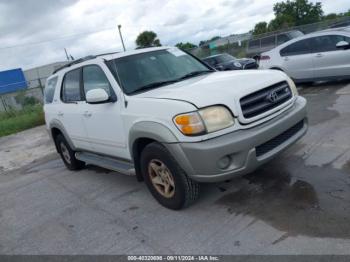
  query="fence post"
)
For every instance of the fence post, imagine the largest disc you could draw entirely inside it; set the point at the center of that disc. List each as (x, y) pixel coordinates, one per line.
(3, 104)
(41, 86)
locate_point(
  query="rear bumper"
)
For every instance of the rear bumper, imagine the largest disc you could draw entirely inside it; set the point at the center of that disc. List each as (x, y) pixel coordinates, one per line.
(245, 149)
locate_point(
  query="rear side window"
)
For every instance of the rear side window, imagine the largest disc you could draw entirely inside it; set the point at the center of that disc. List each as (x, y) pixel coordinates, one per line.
(49, 90)
(94, 78)
(298, 48)
(71, 87)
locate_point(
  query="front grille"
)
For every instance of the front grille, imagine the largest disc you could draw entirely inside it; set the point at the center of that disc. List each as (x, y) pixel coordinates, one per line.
(278, 140)
(266, 99)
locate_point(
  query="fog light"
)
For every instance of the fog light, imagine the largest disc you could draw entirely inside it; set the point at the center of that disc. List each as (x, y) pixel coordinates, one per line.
(224, 162)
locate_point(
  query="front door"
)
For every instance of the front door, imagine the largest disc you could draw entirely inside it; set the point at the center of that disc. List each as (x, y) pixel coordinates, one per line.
(103, 121)
(328, 59)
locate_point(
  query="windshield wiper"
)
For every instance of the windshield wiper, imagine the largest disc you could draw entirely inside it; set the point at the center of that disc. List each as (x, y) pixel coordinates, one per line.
(167, 82)
(156, 84)
(195, 73)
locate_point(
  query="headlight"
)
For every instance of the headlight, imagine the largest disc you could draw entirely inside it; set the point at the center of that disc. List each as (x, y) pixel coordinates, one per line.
(190, 124)
(292, 86)
(206, 120)
(237, 64)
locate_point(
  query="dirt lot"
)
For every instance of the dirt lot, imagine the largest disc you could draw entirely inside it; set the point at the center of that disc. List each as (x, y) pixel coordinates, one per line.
(297, 204)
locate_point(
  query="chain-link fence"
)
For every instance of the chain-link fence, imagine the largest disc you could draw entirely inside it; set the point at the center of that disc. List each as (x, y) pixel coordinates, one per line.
(21, 99)
(21, 110)
(243, 46)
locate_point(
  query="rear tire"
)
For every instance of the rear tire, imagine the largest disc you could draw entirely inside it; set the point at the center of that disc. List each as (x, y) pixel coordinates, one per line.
(165, 179)
(67, 154)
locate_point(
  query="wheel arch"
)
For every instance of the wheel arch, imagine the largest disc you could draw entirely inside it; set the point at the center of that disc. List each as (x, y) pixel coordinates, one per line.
(57, 128)
(144, 133)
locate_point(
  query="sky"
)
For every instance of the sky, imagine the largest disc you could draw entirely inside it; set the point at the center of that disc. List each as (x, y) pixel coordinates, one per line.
(35, 32)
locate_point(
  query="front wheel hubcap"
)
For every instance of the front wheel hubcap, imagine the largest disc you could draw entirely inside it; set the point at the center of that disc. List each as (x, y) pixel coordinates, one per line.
(65, 153)
(161, 178)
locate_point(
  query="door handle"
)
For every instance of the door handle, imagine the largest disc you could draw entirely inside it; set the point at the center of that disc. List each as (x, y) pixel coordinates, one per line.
(286, 59)
(87, 114)
(319, 55)
(60, 114)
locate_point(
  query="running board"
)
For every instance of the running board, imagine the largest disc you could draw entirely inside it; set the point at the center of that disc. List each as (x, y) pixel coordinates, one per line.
(106, 162)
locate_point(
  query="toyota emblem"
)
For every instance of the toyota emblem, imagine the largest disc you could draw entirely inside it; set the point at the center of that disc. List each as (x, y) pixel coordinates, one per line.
(272, 97)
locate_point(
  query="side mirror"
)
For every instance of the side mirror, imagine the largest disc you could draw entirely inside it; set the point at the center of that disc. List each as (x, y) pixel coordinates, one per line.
(219, 67)
(343, 45)
(96, 96)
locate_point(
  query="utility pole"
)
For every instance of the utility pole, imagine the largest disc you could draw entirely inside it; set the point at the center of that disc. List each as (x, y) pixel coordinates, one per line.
(121, 37)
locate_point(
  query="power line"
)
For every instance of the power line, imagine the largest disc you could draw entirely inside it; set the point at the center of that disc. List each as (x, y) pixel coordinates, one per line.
(57, 39)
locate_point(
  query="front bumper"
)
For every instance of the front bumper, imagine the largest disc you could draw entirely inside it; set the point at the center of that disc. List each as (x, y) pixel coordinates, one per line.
(200, 159)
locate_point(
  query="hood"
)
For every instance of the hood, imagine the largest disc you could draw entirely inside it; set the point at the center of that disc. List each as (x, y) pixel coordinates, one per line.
(223, 87)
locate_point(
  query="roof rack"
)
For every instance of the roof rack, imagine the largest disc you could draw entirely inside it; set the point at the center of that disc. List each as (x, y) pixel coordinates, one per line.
(80, 60)
(74, 62)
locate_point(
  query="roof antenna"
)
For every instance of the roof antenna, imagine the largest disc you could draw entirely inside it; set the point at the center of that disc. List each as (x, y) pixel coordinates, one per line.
(65, 50)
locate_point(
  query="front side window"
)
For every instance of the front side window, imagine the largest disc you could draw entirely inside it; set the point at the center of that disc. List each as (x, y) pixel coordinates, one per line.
(139, 72)
(71, 87)
(49, 90)
(94, 78)
(327, 43)
(298, 48)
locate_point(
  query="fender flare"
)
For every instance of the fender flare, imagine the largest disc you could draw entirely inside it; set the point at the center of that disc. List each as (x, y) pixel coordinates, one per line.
(151, 130)
(147, 130)
(58, 125)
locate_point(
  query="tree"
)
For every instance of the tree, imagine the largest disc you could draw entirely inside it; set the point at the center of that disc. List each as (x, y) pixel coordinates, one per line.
(147, 39)
(281, 22)
(260, 28)
(185, 46)
(297, 12)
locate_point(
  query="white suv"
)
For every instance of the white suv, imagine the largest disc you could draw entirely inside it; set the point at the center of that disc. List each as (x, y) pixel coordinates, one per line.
(170, 119)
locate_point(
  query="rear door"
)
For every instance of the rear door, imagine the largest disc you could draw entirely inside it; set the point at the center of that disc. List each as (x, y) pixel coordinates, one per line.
(330, 61)
(69, 112)
(297, 59)
(103, 121)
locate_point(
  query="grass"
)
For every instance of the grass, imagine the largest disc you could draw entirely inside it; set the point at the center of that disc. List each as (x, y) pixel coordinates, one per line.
(15, 121)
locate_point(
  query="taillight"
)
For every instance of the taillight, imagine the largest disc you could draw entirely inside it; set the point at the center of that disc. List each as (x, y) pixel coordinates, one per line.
(264, 57)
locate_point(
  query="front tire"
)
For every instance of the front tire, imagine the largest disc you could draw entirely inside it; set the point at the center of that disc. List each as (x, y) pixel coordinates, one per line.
(67, 154)
(165, 179)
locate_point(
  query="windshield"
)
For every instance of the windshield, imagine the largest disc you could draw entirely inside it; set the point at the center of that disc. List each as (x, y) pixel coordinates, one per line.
(224, 58)
(154, 69)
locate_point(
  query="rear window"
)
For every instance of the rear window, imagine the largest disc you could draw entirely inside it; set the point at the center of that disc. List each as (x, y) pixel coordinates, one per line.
(71, 87)
(49, 90)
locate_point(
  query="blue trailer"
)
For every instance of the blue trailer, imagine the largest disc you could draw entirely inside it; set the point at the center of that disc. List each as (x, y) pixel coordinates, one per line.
(12, 80)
